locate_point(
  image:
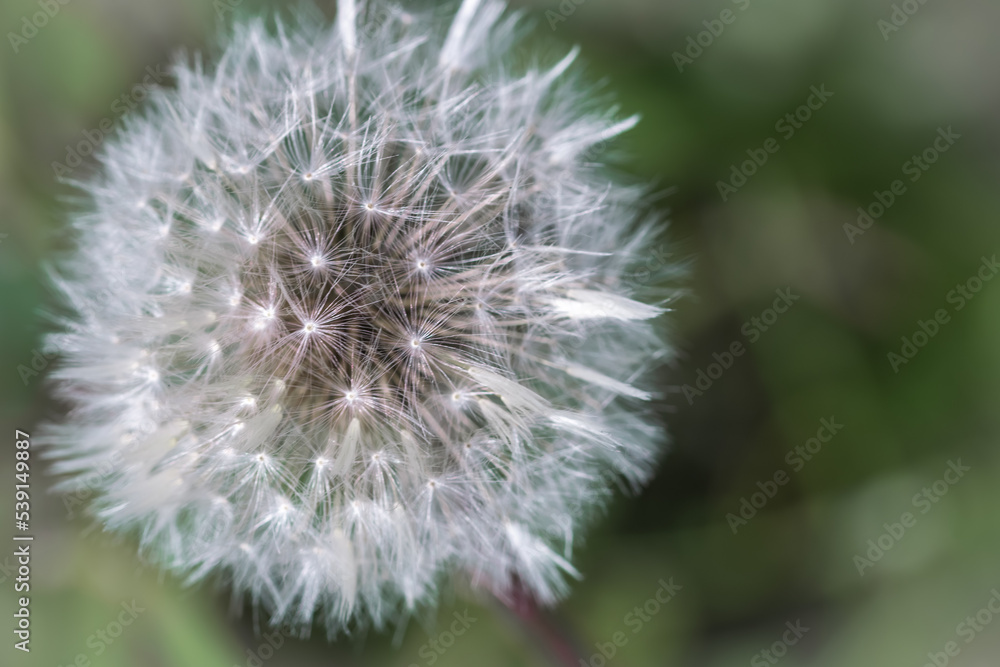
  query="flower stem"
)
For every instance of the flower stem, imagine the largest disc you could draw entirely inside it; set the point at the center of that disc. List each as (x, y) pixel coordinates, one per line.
(551, 634)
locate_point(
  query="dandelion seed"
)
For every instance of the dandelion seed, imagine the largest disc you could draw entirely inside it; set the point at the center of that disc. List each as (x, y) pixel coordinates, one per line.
(412, 283)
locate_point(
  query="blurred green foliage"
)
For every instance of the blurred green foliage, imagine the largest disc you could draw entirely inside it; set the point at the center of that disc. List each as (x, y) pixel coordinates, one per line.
(795, 560)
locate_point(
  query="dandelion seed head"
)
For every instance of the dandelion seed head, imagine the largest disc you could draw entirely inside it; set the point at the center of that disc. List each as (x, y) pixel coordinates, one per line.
(374, 337)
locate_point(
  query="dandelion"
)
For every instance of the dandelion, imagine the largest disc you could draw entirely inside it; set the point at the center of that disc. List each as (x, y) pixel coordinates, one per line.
(373, 327)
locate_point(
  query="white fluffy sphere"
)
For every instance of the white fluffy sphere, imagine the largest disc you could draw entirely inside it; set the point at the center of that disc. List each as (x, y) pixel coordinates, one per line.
(371, 321)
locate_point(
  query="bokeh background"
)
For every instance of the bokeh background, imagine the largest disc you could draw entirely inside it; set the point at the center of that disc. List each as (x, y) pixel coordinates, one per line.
(795, 560)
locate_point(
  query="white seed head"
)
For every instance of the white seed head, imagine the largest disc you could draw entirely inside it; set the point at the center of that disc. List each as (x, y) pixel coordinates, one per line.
(373, 324)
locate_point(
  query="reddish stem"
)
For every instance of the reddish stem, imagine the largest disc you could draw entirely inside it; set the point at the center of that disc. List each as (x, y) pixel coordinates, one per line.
(553, 636)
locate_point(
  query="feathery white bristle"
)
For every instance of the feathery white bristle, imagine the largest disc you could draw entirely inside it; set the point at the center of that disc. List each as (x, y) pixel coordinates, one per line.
(347, 17)
(561, 67)
(589, 304)
(453, 44)
(601, 380)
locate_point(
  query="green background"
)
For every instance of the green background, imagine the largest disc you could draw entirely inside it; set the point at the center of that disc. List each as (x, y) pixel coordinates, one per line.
(827, 357)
